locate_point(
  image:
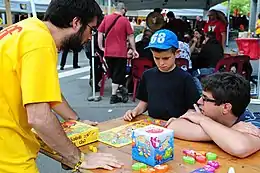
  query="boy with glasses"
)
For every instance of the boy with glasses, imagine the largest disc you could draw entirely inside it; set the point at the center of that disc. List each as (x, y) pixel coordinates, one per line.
(221, 116)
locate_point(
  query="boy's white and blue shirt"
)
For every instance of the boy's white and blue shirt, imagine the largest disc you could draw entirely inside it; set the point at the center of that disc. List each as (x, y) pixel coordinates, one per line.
(249, 117)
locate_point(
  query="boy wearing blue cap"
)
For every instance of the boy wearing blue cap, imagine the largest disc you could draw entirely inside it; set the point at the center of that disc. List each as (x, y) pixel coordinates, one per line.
(166, 91)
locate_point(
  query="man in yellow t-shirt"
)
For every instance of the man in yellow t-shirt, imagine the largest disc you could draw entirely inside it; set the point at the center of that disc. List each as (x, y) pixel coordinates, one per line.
(29, 86)
(258, 26)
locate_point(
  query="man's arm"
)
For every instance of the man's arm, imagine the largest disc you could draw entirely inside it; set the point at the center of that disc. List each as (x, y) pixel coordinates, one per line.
(100, 41)
(223, 39)
(140, 108)
(231, 141)
(65, 111)
(131, 39)
(48, 128)
(186, 130)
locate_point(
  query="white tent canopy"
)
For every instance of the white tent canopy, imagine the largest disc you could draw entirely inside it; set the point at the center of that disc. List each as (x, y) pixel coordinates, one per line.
(24, 6)
(176, 4)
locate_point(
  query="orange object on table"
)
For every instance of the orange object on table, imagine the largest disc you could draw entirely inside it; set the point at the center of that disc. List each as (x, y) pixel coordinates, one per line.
(249, 46)
(147, 170)
(161, 168)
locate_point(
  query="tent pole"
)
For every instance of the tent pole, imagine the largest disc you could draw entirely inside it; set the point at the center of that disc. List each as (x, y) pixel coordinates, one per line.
(228, 18)
(33, 8)
(109, 7)
(8, 12)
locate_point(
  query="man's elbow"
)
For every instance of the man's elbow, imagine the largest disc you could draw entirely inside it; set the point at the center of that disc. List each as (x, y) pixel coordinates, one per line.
(36, 114)
(242, 151)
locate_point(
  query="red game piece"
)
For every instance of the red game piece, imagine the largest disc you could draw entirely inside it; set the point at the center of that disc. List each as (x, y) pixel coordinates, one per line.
(201, 159)
(161, 168)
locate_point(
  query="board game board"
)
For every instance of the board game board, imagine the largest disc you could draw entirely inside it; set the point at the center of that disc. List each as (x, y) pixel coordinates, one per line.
(122, 135)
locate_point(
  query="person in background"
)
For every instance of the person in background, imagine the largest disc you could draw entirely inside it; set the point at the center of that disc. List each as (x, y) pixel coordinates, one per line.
(206, 61)
(116, 50)
(258, 26)
(218, 25)
(196, 42)
(165, 91)
(220, 116)
(184, 52)
(30, 93)
(75, 57)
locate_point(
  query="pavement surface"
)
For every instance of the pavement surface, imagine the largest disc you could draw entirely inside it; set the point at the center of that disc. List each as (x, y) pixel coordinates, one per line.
(75, 87)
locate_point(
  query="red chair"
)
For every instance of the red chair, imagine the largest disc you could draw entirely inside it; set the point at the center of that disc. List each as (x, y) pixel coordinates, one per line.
(105, 74)
(182, 63)
(224, 65)
(138, 67)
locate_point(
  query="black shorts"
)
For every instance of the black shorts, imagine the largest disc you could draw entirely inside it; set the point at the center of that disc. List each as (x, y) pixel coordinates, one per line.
(117, 69)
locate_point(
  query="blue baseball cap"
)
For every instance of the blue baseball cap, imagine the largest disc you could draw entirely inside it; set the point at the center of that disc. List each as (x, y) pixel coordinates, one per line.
(163, 39)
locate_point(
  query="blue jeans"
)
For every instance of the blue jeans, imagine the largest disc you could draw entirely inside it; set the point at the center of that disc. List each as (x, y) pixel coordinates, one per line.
(201, 72)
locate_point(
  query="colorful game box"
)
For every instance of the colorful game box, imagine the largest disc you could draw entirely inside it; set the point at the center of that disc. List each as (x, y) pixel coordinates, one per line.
(79, 133)
(122, 135)
(152, 145)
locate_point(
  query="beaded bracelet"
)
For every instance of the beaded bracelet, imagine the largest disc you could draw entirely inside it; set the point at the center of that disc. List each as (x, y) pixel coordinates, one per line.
(76, 167)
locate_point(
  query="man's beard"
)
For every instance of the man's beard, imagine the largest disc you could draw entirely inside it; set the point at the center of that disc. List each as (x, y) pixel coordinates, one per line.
(74, 41)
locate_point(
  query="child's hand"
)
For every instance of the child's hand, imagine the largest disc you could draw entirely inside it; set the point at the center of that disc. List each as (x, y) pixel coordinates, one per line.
(130, 115)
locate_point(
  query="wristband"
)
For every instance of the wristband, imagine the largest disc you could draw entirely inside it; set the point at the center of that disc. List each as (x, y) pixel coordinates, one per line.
(76, 167)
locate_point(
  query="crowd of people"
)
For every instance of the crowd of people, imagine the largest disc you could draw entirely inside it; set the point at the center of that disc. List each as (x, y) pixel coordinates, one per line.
(30, 95)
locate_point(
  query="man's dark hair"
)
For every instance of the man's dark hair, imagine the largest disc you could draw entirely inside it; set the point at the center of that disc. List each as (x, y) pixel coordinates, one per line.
(158, 10)
(210, 35)
(163, 50)
(61, 12)
(170, 14)
(228, 87)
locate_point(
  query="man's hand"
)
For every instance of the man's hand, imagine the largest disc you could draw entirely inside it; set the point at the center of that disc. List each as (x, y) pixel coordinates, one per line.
(100, 160)
(195, 117)
(130, 115)
(92, 123)
(135, 54)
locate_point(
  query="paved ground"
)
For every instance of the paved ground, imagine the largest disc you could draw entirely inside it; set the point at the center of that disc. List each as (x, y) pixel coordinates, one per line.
(74, 85)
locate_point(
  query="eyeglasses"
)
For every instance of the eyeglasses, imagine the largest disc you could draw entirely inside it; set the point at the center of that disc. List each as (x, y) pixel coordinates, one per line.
(206, 99)
(93, 30)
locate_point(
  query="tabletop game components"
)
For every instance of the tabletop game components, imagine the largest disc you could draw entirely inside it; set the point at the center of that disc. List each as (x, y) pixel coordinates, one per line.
(231, 170)
(190, 153)
(211, 156)
(201, 170)
(200, 158)
(122, 135)
(152, 145)
(189, 160)
(147, 170)
(209, 168)
(137, 166)
(161, 168)
(157, 122)
(93, 148)
(214, 164)
(80, 133)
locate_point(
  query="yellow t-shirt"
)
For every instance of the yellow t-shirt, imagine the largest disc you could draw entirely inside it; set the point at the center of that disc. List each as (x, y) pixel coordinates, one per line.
(28, 74)
(258, 24)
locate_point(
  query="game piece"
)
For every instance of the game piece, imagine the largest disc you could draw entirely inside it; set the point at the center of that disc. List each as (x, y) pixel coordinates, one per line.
(122, 135)
(203, 153)
(201, 159)
(153, 145)
(94, 150)
(209, 168)
(147, 170)
(214, 164)
(138, 166)
(211, 156)
(161, 168)
(231, 170)
(189, 160)
(201, 170)
(190, 153)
